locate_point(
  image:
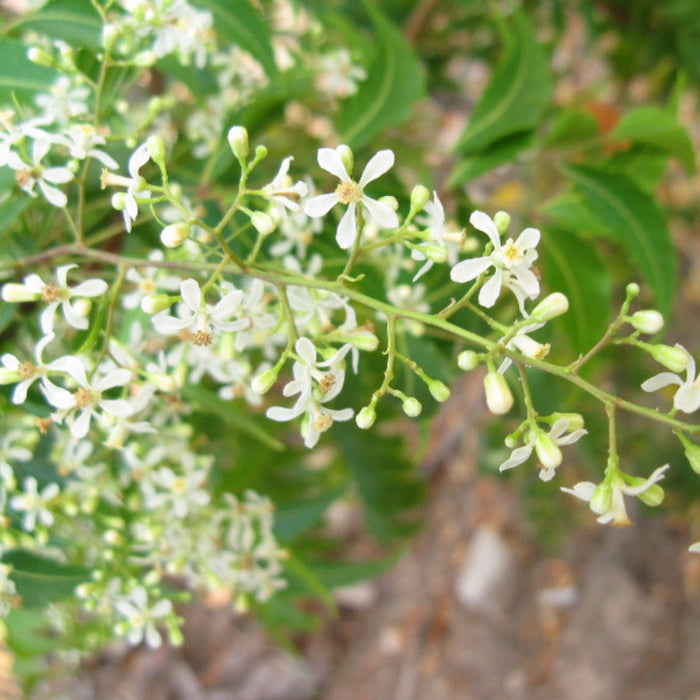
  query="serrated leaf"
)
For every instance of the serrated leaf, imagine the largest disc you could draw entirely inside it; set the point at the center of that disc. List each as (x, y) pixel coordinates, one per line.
(474, 165)
(237, 22)
(571, 265)
(637, 224)
(76, 22)
(18, 75)
(517, 93)
(394, 82)
(654, 126)
(40, 580)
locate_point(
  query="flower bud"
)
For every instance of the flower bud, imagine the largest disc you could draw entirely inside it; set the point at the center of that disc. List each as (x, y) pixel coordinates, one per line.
(439, 390)
(362, 339)
(647, 321)
(346, 157)
(575, 420)
(145, 59)
(468, 360)
(153, 303)
(262, 222)
(17, 293)
(653, 496)
(548, 451)
(601, 499)
(260, 153)
(264, 382)
(156, 148)
(40, 57)
(238, 140)
(499, 398)
(82, 307)
(9, 376)
(675, 358)
(412, 407)
(118, 199)
(419, 196)
(632, 290)
(366, 417)
(110, 34)
(161, 381)
(553, 305)
(174, 235)
(692, 453)
(434, 252)
(502, 221)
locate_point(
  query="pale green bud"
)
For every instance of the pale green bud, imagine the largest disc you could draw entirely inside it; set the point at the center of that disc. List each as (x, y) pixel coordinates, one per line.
(439, 390)
(161, 381)
(434, 252)
(264, 382)
(553, 305)
(601, 499)
(499, 398)
(9, 376)
(346, 156)
(40, 57)
(502, 221)
(119, 201)
(653, 496)
(156, 147)
(263, 223)
(468, 360)
(366, 417)
(419, 196)
(575, 420)
(647, 321)
(145, 59)
(153, 303)
(174, 235)
(675, 358)
(632, 290)
(17, 293)
(175, 636)
(692, 453)
(548, 451)
(227, 347)
(260, 153)
(238, 140)
(412, 407)
(362, 339)
(110, 34)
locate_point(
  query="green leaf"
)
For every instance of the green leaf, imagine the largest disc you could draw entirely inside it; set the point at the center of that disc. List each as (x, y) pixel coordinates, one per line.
(517, 94)
(76, 22)
(344, 573)
(394, 82)
(654, 126)
(636, 222)
(308, 579)
(237, 22)
(40, 580)
(474, 165)
(571, 126)
(207, 401)
(292, 519)
(11, 208)
(571, 265)
(569, 211)
(18, 75)
(643, 164)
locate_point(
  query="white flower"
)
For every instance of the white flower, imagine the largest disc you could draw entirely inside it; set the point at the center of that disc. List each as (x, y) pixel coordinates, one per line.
(511, 263)
(34, 173)
(546, 448)
(694, 548)
(140, 619)
(65, 101)
(136, 187)
(87, 402)
(315, 387)
(34, 503)
(687, 396)
(282, 192)
(338, 75)
(607, 499)
(351, 193)
(55, 294)
(199, 318)
(435, 223)
(82, 140)
(179, 493)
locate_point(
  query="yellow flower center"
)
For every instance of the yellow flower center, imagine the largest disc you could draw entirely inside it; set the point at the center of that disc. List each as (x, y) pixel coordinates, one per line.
(326, 383)
(26, 370)
(84, 397)
(50, 293)
(349, 192)
(511, 253)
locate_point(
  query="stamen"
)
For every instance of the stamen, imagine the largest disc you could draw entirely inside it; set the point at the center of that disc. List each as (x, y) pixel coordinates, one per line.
(349, 192)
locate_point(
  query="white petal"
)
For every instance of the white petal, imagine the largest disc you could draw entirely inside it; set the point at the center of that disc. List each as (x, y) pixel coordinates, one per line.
(191, 294)
(138, 159)
(330, 160)
(529, 238)
(687, 398)
(281, 414)
(74, 319)
(53, 195)
(117, 407)
(468, 270)
(57, 176)
(320, 205)
(117, 377)
(89, 288)
(56, 396)
(72, 366)
(488, 294)
(227, 306)
(347, 228)
(527, 281)
(518, 456)
(306, 350)
(377, 166)
(583, 490)
(79, 426)
(169, 325)
(660, 381)
(484, 223)
(382, 214)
